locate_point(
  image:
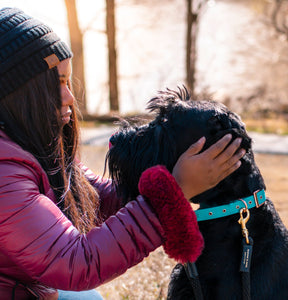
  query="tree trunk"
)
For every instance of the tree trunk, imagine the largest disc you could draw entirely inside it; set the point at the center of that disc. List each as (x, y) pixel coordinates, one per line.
(191, 38)
(279, 16)
(76, 38)
(112, 55)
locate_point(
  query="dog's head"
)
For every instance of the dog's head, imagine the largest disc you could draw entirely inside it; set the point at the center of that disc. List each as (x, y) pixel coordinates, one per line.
(180, 122)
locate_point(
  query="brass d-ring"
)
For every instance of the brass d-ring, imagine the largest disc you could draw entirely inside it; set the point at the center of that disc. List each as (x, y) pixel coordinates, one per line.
(246, 207)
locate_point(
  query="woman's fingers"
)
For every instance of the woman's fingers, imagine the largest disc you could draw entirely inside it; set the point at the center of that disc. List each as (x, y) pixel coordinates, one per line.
(196, 173)
(232, 165)
(223, 160)
(228, 156)
(230, 151)
(217, 148)
(196, 147)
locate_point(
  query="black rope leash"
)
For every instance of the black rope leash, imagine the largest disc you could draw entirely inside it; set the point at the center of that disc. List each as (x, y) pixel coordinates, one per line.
(193, 276)
(245, 268)
(247, 247)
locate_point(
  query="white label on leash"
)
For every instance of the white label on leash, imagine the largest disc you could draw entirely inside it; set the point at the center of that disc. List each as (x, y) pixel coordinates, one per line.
(246, 258)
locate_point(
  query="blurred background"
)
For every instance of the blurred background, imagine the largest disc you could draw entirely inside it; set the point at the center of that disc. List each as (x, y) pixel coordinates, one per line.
(232, 51)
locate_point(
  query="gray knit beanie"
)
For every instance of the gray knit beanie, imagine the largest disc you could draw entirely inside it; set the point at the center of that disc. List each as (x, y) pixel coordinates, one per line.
(27, 47)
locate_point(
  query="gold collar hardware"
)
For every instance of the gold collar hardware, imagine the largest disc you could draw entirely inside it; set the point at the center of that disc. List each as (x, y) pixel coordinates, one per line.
(242, 221)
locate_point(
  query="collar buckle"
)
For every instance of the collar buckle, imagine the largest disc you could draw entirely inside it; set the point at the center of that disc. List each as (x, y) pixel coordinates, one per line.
(255, 194)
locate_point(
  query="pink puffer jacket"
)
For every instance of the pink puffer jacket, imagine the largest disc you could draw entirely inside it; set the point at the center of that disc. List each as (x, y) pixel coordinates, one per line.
(40, 248)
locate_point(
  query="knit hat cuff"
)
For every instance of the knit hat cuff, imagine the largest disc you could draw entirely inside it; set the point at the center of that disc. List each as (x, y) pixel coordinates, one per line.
(27, 48)
(29, 68)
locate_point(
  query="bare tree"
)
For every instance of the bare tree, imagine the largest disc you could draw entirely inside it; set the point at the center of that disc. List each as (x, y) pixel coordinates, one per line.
(279, 16)
(194, 9)
(112, 55)
(76, 38)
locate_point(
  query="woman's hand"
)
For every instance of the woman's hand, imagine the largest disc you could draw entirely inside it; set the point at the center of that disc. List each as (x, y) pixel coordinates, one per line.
(195, 173)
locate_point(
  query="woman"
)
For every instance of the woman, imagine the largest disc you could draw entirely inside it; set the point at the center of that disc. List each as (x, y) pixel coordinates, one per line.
(62, 227)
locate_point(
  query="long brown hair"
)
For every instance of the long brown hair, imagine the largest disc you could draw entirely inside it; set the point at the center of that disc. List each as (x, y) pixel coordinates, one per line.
(31, 117)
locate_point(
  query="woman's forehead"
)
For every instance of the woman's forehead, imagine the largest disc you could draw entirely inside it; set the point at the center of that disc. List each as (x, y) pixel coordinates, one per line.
(64, 67)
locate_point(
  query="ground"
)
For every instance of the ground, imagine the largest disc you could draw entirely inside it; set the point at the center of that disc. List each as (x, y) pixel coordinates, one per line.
(149, 279)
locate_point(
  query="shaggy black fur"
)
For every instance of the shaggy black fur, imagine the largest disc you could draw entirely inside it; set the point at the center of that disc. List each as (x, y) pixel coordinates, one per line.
(179, 122)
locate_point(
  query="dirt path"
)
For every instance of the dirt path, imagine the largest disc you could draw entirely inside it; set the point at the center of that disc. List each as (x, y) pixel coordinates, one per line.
(274, 169)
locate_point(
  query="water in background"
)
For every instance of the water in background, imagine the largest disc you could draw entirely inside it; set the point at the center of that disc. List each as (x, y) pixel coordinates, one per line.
(241, 60)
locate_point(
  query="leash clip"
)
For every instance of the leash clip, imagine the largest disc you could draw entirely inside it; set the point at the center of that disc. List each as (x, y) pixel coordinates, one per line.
(242, 221)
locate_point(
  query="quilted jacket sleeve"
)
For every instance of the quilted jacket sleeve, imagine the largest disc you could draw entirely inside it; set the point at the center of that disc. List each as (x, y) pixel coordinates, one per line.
(110, 203)
(42, 241)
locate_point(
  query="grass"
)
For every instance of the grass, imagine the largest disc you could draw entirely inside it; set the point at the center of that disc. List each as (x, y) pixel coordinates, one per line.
(149, 279)
(269, 125)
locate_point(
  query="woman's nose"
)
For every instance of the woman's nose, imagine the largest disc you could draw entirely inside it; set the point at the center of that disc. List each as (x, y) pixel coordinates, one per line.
(66, 96)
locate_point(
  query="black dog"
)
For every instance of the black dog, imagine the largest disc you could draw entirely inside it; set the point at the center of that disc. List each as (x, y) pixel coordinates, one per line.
(179, 122)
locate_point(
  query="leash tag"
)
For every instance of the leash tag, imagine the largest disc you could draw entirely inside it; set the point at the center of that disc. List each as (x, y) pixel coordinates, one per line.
(246, 258)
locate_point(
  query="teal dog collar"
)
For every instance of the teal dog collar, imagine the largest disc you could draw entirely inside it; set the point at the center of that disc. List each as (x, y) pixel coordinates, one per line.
(256, 200)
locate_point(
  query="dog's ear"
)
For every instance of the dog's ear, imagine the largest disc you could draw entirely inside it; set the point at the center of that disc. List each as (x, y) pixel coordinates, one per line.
(133, 150)
(118, 160)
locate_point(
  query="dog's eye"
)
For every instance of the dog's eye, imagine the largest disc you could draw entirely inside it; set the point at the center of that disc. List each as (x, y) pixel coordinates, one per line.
(215, 123)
